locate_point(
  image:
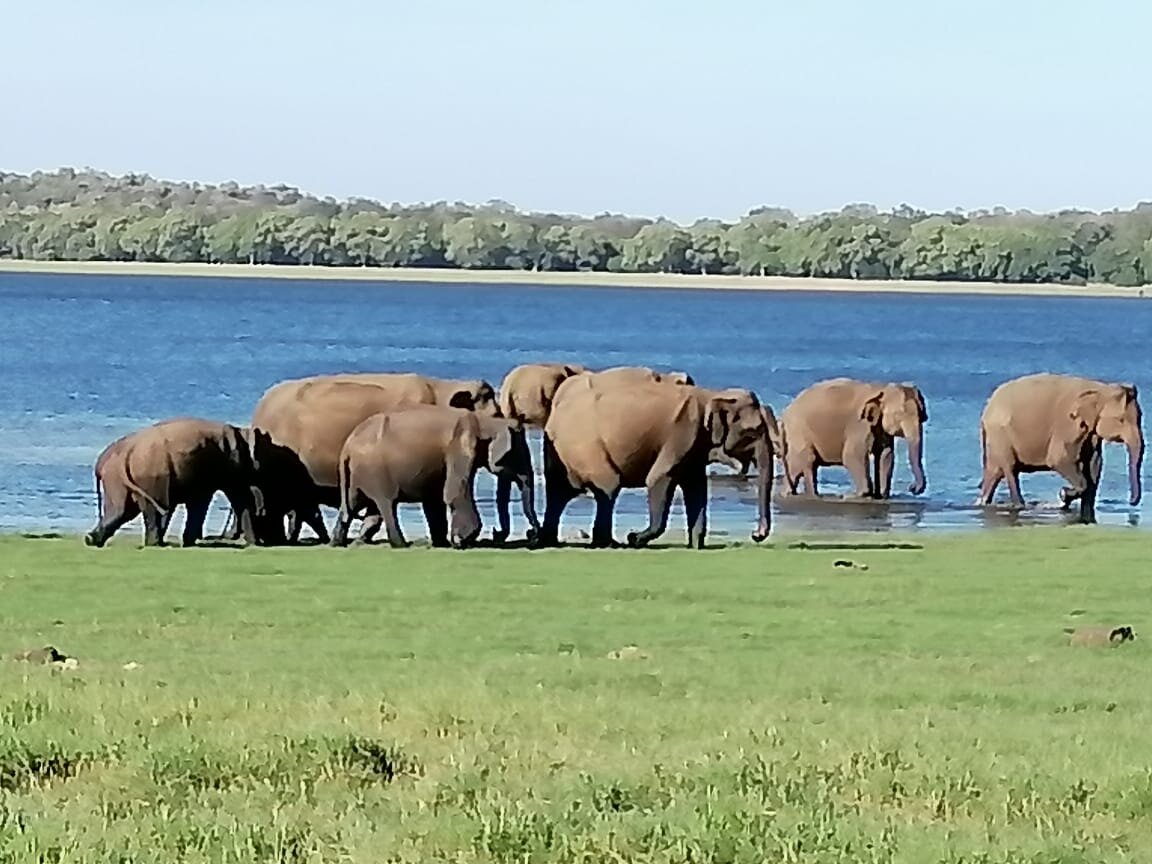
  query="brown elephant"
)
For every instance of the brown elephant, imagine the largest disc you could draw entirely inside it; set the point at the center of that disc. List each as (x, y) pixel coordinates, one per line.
(641, 375)
(1050, 422)
(740, 462)
(429, 454)
(313, 416)
(603, 438)
(527, 391)
(842, 421)
(184, 460)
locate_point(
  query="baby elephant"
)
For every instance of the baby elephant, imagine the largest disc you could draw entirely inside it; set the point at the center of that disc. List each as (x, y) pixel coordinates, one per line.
(430, 454)
(181, 461)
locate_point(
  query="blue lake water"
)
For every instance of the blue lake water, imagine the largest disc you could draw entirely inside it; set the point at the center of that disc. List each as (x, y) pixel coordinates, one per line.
(87, 358)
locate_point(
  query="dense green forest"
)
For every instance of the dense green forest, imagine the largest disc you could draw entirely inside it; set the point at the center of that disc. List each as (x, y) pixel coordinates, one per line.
(89, 215)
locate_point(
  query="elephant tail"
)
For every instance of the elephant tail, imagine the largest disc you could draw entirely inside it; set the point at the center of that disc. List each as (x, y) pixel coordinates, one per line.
(134, 487)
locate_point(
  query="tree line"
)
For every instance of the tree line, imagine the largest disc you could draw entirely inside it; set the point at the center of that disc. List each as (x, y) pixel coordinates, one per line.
(71, 215)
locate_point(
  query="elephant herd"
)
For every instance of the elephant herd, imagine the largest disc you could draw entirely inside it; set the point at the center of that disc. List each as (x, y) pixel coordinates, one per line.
(366, 442)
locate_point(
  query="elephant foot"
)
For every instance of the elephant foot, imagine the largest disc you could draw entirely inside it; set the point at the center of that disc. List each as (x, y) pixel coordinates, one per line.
(1067, 496)
(637, 540)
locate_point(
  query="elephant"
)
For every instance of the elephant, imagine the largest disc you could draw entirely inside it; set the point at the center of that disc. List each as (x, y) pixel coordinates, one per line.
(740, 462)
(842, 421)
(527, 391)
(605, 438)
(281, 477)
(1053, 422)
(430, 454)
(183, 460)
(312, 417)
(642, 375)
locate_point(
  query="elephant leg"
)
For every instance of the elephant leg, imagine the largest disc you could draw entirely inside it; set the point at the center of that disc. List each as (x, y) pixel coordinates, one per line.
(116, 515)
(861, 481)
(1077, 486)
(858, 453)
(343, 524)
(1083, 476)
(696, 511)
(602, 523)
(436, 515)
(558, 493)
(294, 523)
(392, 523)
(885, 463)
(371, 526)
(810, 480)
(993, 474)
(1012, 479)
(795, 469)
(1088, 498)
(155, 524)
(195, 512)
(314, 520)
(232, 530)
(660, 490)
(791, 481)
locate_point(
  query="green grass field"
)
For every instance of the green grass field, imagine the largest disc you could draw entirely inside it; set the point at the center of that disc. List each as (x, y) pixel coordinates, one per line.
(370, 705)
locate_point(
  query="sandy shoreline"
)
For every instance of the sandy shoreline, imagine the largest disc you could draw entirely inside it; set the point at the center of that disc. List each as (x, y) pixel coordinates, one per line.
(547, 279)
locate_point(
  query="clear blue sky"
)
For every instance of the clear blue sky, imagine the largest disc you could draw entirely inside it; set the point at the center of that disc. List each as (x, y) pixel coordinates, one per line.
(653, 108)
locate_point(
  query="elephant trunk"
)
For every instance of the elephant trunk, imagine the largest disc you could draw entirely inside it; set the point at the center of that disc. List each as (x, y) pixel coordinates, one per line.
(1135, 443)
(765, 476)
(915, 440)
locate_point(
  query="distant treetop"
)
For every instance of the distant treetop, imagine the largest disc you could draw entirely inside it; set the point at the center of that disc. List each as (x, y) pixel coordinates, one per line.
(86, 215)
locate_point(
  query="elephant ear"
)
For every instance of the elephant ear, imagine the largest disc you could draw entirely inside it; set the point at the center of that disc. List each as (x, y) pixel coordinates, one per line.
(716, 418)
(460, 464)
(462, 399)
(872, 411)
(502, 443)
(921, 407)
(1086, 409)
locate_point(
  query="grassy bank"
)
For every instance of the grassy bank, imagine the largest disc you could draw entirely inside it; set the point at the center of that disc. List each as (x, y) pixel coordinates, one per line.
(545, 279)
(369, 705)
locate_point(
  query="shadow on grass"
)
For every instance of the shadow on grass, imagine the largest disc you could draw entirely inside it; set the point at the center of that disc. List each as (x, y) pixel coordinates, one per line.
(803, 544)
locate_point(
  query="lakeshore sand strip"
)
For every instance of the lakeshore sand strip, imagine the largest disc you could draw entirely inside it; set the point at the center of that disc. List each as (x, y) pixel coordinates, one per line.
(557, 279)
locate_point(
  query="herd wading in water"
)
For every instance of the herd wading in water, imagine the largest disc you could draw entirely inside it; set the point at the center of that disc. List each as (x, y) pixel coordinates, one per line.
(367, 442)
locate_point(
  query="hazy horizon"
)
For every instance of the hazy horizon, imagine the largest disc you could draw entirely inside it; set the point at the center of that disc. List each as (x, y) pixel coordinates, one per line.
(650, 110)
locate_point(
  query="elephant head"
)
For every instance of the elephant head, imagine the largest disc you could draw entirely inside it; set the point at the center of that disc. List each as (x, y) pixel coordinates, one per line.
(675, 377)
(735, 421)
(478, 396)
(508, 457)
(1113, 414)
(900, 410)
(528, 391)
